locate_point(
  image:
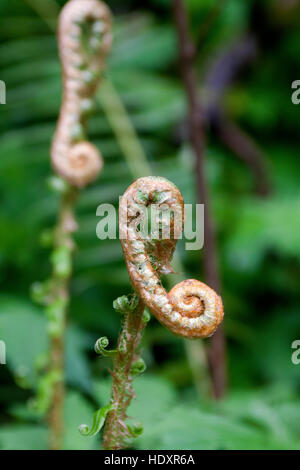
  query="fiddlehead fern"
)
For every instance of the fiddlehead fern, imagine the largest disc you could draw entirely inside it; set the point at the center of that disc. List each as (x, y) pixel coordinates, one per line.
(101, 348)
(84, 41)
(191, 309)
(98, 422)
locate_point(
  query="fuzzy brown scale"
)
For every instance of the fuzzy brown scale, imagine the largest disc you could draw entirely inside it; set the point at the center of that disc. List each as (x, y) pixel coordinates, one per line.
(73, 157)
(191, 309)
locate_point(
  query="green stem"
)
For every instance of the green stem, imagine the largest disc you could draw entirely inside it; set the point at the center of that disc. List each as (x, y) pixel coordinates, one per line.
(57, 312)
(124, 130)
(47, 9)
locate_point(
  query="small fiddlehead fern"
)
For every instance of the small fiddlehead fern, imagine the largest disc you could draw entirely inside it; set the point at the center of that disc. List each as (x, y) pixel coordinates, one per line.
(127, 365)
(191, 309)
(98, 422)
(101, 348)
(84, 41)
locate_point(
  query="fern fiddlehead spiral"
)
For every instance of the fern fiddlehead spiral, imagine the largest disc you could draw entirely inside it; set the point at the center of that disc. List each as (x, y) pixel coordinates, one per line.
(84, 41)
(191, 309)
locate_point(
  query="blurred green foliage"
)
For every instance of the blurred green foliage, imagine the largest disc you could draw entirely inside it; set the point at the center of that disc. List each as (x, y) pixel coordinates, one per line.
(258, 239)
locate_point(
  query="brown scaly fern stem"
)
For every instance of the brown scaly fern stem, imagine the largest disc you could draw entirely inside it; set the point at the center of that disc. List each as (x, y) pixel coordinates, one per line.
(117, 434)
(84, 37)
(191, 309)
